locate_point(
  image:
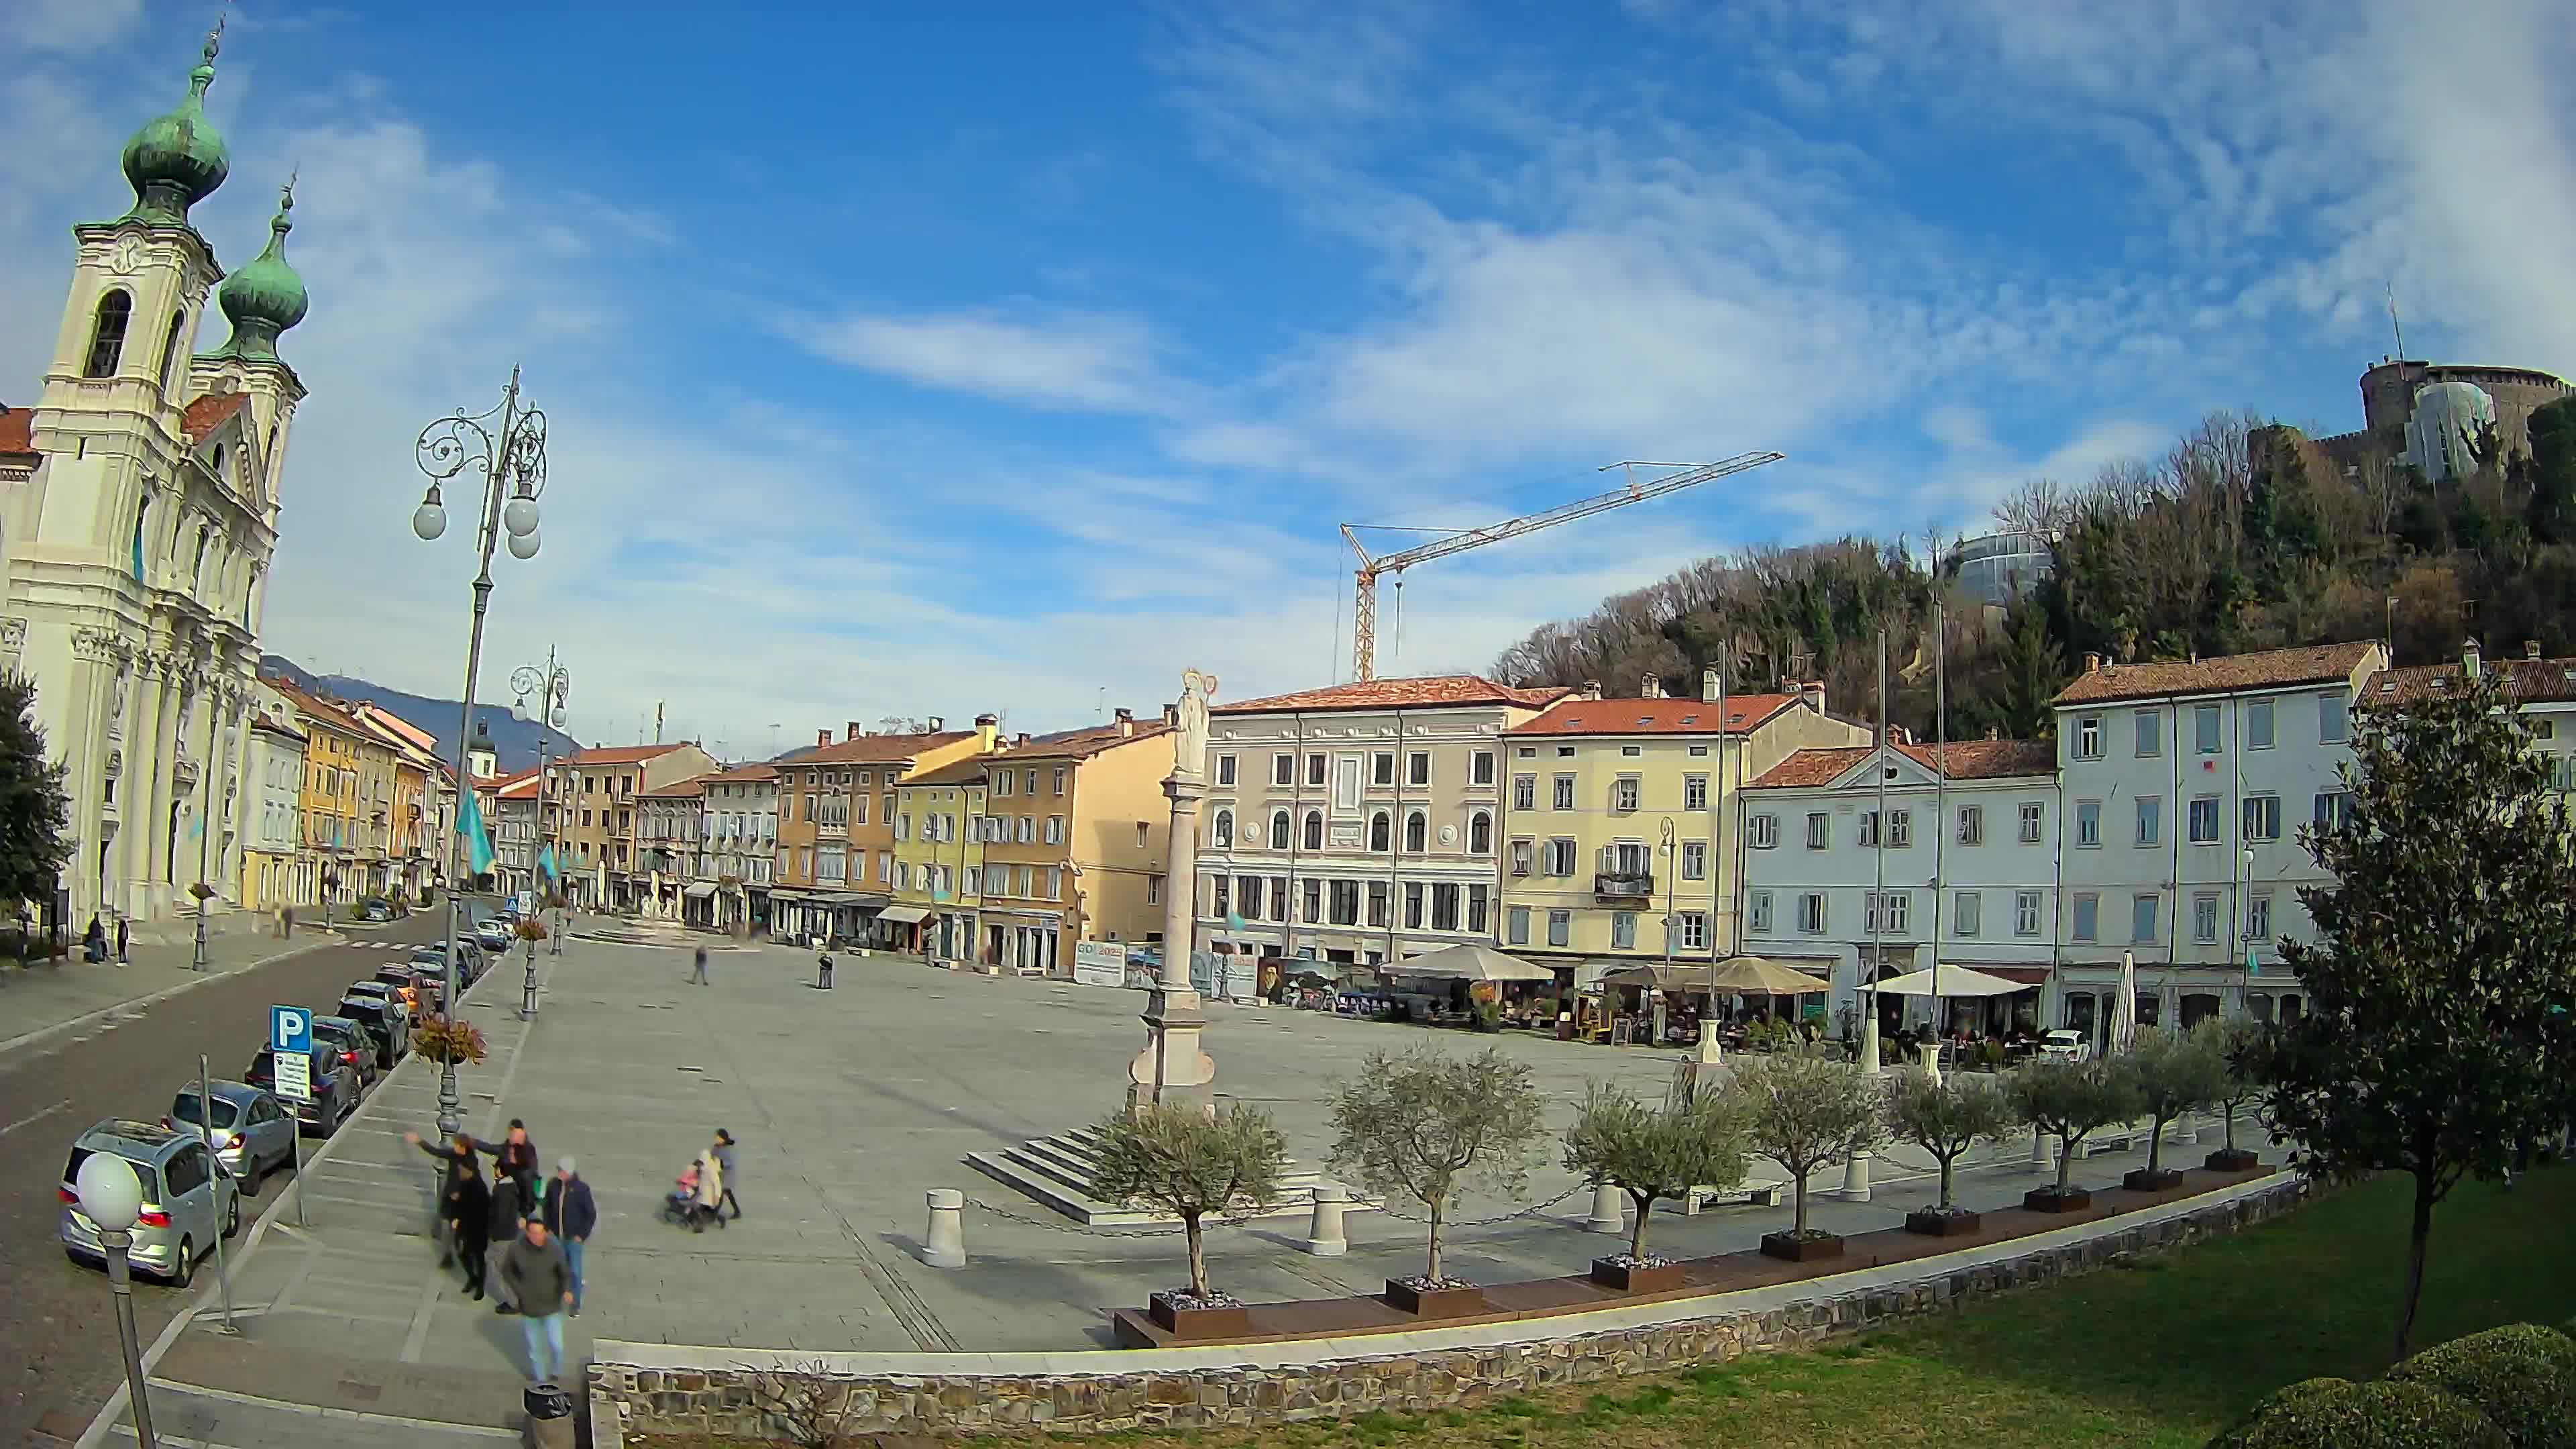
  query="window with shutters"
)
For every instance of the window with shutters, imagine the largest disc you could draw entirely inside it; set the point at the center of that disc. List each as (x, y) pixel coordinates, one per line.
(1524, 792)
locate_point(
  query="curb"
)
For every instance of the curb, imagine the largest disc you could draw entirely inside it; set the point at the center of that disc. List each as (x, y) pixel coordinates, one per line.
(11, 1045)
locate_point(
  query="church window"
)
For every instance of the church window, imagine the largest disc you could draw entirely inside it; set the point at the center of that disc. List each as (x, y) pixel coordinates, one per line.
(140, 509)
(107, 337)
(170, 350)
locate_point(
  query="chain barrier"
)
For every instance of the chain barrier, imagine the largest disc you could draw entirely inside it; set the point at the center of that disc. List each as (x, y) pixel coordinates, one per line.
(1528, 1212)
(1175, 1229)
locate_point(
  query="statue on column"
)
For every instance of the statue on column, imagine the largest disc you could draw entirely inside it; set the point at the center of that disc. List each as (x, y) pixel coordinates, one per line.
(1189, 748)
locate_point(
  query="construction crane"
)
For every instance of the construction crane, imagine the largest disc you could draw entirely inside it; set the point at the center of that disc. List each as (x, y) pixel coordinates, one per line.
(1364, 604)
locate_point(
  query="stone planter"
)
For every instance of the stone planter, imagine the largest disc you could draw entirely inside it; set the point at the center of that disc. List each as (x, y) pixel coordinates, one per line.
(1405, 1296)
(1621, 1277)
(2163, 1179)
(2050, 1200)
(1789, 1247)
(2231, 1159)
(1932, 1223)
(1223, 1321)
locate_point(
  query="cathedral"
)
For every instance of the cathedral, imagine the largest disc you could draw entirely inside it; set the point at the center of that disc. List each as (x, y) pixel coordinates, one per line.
(139, 499)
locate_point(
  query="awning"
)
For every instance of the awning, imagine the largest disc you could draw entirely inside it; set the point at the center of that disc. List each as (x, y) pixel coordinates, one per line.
(904, 915)
(1955, 981)
(700, 889)
(1735, 976)
(782, 893)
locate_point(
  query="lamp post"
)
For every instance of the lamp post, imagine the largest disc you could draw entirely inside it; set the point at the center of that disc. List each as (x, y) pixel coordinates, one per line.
(552, 686)
(2244, 931)
(112, 1198)
(507, 447)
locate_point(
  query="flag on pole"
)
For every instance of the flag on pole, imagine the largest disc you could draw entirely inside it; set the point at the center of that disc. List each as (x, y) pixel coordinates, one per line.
(469, 823)
(546, 864)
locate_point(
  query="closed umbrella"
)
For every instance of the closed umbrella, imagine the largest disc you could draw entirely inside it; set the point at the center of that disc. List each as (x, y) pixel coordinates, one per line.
(2124, 1009)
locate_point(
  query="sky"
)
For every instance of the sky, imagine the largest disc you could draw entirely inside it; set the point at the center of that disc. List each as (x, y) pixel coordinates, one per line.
(929, 360)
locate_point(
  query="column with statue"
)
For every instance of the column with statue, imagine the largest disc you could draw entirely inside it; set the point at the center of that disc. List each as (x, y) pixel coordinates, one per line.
(1173, 1066)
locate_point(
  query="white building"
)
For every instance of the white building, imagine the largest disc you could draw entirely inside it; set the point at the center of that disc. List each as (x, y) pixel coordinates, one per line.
(1968, 856)
(742, 842)
(1357, 823)
(2185, 785)
(276, 869)
(2544, 690)
(514, 830)
(137, 545)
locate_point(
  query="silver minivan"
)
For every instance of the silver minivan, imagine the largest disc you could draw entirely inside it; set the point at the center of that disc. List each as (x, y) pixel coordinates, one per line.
(188, 1198)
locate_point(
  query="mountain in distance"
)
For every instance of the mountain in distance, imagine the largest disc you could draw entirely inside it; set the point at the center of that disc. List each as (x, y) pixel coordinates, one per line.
(513, 739)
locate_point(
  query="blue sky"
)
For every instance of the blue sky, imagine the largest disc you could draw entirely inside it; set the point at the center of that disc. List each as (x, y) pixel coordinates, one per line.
(1014, 356)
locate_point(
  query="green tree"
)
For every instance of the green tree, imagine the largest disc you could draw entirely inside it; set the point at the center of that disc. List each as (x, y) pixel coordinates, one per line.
(1650, 1153)
(2234, 1042)
(33, 809)
(2551, 510)
(1805, 1112)
(1426, 1126)
(1187, 1161)
(2176, 1072)
(2074, 1100)
(1946, 1116)
(2443, 968)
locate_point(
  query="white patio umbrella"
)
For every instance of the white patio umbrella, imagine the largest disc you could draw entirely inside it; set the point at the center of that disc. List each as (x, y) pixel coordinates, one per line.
(1468, 963)
(1955, 981)
(2124, 1008)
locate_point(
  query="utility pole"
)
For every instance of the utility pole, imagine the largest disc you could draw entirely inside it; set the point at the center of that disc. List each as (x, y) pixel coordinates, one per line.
(657, 721)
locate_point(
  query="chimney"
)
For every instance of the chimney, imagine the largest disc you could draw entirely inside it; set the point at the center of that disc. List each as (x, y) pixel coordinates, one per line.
(988, 732)
(2530, 648)
(2469, 658)
(1708, 686)
(1172, 716)
(937, 723)
(1126, 723)
(1022, 742)
(1813, 692)
(1591, 690)
(851, 730)
(822, 737)
(1651, 687)
(2092, 663)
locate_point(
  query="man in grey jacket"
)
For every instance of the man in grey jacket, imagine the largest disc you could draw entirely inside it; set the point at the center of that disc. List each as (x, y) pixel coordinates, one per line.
(541, 1281)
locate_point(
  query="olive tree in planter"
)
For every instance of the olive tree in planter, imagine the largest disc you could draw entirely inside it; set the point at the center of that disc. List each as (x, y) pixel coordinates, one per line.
(2073, 1100)
(1805, 1112)
(2238, 1045)
(1427, 1126)
(1651, 1154)
(2175, 1073)
(1187, 1161)
(1945, 1116)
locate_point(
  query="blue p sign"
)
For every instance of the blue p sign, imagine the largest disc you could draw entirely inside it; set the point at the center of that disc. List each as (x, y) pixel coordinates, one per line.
(290, 1029)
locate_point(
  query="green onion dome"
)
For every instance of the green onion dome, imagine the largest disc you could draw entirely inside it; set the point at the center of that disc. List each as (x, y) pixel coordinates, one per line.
(178, 160)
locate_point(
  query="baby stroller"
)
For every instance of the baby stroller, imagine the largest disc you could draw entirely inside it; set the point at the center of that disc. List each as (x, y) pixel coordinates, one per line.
(680, 1204)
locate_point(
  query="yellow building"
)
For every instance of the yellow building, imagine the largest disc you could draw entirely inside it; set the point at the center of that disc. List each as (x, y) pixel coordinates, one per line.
(838, 810)
(939, 855)
(413, 855)
(1076, 850)
(333, 828)
(1620, 822)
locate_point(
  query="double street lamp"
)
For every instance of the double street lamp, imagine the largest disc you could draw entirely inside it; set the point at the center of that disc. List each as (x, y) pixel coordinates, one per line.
(552, 686)
(506, 446)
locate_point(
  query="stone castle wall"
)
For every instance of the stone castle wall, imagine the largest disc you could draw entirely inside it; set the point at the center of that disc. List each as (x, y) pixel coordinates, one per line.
(719, 1397)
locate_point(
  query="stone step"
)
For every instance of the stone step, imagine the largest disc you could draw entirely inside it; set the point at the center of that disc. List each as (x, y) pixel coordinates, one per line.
(1058, 1172)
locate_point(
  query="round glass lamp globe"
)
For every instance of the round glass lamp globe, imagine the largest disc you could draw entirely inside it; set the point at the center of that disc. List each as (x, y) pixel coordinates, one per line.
(524, 545)
(110, 1193)
(428, 521)
(519, 516)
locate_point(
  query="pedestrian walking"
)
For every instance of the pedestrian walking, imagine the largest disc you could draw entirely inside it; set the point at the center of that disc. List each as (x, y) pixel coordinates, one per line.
(710, 1193)
(570, 1214)
(121, 958)
(698, 974)
(469, 1226)
(459, 1159)
(94, 941)
(504, 1221)
(537, 1274)
(286, 923)
(722, 1151)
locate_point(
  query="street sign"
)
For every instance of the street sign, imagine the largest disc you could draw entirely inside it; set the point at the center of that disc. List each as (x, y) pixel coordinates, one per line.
(294, 1076)
(290, 1029)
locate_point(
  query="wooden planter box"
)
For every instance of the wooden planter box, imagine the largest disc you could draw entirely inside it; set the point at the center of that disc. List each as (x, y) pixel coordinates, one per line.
(1620, 1278)
(2231, 1159)
(1438, 1303)
(1791, 1248)
(2050, 1200)
(1932, 1224)
(2163, 1179)
(1198, 1322)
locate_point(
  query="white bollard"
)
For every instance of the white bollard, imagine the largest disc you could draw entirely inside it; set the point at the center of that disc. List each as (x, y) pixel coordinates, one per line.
(1930, 1053)
(1609, 1212)
(2186, 1131)
(1324, 1234)
(944, 1246)
(2039, 1158)
(1855, 1186)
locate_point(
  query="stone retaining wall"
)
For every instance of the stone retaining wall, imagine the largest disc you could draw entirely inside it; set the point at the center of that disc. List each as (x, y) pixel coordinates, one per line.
(726, 1398)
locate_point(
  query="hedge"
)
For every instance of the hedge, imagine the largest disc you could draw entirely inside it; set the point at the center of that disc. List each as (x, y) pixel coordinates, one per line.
(2332, 1413)
(2521, 1376)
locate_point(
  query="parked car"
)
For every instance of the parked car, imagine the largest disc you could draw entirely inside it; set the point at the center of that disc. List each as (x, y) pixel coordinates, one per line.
(377, 908)
(386, 1021)
(335, 1089)
(493, 936)
(400, 979)
(188, 1198)
(469, 962)
(2066, 1045)
(353, 1043)
(250, 1132)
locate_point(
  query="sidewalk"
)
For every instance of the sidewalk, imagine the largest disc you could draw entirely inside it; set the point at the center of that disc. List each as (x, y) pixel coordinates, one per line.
(58, 998)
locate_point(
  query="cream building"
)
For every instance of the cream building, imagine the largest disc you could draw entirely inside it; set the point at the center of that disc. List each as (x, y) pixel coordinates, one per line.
(276, 870)
(1359, 823)
(138, 545)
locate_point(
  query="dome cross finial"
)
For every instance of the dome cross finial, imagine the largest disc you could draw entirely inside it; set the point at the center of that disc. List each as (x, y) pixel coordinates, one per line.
(215, 37)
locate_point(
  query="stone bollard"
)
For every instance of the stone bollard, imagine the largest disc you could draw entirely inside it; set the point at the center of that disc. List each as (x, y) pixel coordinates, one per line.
(1324, 1234)
(945, 1244)
(2186, 1131)
(1609, 1212)
(1855, 1186)
(2039, 1159)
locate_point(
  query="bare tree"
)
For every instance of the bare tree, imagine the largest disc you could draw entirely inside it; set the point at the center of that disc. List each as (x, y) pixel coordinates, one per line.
(803, 1402)
(1425, 1126)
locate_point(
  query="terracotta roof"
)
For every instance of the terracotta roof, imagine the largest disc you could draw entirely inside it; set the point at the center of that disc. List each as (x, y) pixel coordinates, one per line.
(1967, 760)
(1425, 692)
(1654, 716)
(327, 711)
(376, 713)
(690, 788)
(17, 430)
(204, 415)
(2270, 669)
(263, 722)
(623, 754)
(522, 786)
(881, 749)
(748, 774)
(2525, 679)
(1083, 744)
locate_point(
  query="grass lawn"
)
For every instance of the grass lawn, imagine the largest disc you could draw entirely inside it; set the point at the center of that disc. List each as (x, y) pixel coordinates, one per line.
(2162, 1354)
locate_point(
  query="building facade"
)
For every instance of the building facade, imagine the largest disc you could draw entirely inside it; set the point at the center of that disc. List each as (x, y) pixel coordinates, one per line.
(1309, 796)
(836, 829)
(592, 796)
(742, 836)
(333, 746)
(1962, 870)
(137, 541)
(276, 871)
(940, 831)
(1618, 821)
(670, 842)
(1077, 844)
(513, 820)
(2185, 783)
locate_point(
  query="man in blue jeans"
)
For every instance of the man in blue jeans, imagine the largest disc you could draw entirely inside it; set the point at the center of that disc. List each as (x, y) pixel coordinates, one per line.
(570, 1214)
(541, 1281)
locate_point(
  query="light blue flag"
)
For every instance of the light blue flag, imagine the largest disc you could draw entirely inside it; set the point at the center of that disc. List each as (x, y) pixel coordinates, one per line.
(469, 823)
(546, 863)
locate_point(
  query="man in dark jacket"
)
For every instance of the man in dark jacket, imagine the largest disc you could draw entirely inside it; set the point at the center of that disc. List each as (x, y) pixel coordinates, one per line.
(507, 1196)
(535, 1271)
(468, 1210)
(570, 1215)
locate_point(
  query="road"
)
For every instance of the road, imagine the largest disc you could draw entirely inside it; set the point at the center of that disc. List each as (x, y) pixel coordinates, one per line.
(60, 1327)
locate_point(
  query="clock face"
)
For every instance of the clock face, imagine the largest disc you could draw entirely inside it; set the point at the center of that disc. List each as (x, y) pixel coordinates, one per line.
(127, 258)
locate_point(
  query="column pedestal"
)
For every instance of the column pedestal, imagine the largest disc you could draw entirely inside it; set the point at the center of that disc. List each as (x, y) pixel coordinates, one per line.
(1173, 1067)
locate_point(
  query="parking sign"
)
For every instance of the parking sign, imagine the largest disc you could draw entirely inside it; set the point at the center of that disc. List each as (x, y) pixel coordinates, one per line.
(290, 1029)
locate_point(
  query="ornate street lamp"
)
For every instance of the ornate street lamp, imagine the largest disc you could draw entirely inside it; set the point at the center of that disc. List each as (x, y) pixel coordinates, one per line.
(111, 1197)
(506, 446)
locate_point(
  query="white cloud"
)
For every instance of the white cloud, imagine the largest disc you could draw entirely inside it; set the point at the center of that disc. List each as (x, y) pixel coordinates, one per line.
(1069, 360)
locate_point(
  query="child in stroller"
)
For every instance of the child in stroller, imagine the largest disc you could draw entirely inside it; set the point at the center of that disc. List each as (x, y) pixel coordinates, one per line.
(680, 1204)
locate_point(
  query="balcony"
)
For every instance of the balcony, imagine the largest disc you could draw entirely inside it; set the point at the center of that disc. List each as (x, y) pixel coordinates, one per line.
(1624, 885)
